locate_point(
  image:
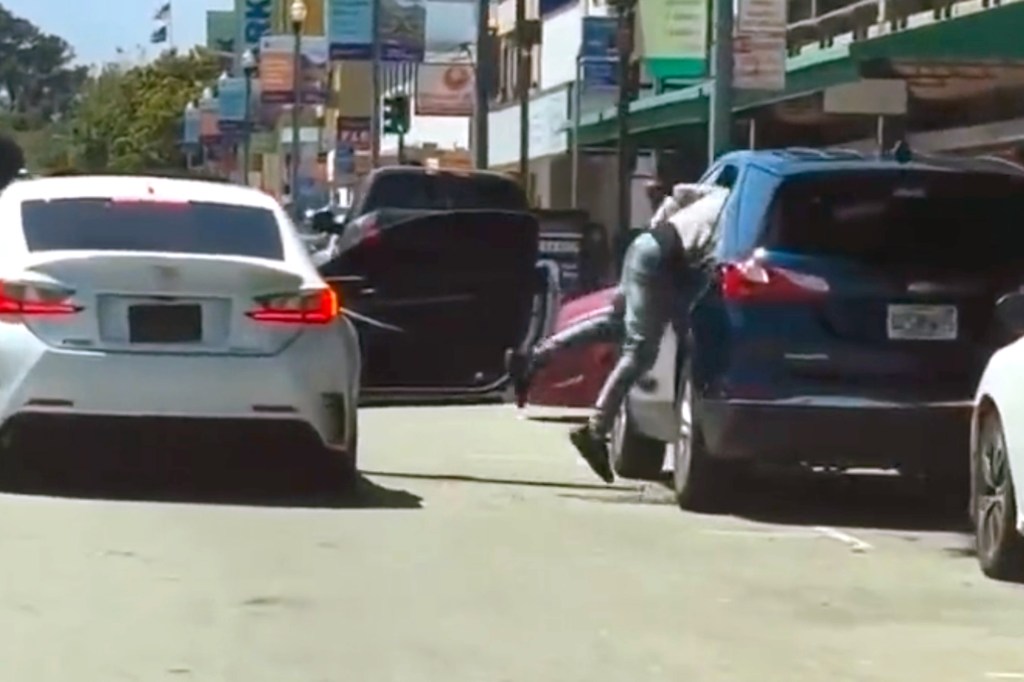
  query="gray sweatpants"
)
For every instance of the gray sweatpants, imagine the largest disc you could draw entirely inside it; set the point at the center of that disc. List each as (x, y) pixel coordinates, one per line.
(647, 312)
(607, 327)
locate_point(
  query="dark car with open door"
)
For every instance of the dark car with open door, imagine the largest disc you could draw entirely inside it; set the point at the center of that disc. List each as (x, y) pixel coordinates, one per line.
(439, 269)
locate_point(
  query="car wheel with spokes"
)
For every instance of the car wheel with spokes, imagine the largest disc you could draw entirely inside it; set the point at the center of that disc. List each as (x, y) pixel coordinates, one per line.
(999, 545)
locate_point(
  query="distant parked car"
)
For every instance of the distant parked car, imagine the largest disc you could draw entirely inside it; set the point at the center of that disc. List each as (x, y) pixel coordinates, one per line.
(439, 270)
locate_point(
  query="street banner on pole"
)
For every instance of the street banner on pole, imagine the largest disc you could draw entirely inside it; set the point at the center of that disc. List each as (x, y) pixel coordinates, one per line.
(191, 128)
(759, 48)
(403, 25)
(350, 29)
(444, 90)
(209, 130)
(231, 104)
(276, 69)
(599, 53)
(674, 37)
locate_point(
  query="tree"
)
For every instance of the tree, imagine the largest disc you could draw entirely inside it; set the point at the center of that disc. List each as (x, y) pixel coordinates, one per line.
(36, 73)
(129, 119)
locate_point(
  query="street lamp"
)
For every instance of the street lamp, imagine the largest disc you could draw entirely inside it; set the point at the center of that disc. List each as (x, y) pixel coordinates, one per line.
(204, 152)
(190, 107)
(249, 70)
(297, 13)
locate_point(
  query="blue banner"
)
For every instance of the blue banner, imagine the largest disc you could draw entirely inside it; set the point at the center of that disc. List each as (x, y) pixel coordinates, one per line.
(190, 127)
(350, 29)
(403, 27)
(344, 161)
(231, 104)
(599, 53)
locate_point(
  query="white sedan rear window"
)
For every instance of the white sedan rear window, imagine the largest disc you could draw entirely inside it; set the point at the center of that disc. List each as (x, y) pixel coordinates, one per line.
(104, 224)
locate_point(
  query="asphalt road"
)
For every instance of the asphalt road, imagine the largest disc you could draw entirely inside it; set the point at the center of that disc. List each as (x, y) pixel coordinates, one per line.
(479, 550)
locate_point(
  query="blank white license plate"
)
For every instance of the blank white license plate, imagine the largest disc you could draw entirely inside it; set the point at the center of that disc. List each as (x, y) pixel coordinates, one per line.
(922, 322)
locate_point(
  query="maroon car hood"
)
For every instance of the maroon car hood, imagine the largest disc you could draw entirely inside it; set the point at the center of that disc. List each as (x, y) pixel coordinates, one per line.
(574, 377)
(583, 307)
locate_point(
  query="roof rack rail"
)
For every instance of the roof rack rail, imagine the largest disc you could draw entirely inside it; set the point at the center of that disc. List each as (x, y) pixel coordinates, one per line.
(1001, 161)
(807, 150)
(846, 152)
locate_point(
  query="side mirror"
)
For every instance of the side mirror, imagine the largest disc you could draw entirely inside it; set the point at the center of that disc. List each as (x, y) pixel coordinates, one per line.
(323, 222)
(1010, 311)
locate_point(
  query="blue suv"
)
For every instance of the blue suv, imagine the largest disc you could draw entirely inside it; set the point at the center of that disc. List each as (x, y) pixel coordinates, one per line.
(844, 324)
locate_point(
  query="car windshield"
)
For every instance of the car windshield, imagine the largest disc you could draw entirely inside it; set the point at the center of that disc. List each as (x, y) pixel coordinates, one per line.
(102, 224)
(444, 192)
(921, 218)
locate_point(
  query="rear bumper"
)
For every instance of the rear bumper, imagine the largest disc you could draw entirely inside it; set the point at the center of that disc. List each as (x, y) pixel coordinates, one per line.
(311, 383)
(841, 432)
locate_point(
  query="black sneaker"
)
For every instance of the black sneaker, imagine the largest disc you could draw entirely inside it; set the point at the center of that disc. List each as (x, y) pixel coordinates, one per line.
(594, 450)
(518, 367)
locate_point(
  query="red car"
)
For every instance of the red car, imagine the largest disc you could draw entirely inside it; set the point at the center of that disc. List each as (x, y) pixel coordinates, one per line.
(574, 376)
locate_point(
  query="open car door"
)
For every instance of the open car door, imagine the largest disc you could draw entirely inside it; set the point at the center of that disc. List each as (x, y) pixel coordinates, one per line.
(438, 299)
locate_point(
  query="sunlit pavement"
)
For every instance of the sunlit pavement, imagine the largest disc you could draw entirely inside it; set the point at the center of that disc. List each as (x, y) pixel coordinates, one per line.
(480, 550)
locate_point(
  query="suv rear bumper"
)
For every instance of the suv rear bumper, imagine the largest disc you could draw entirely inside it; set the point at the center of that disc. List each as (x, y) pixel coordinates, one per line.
(842, 432)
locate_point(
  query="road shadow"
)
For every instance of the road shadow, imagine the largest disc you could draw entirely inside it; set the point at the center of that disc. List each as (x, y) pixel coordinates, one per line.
(850, 501)
(239, 479)
(398, 400)
(460, 478)
(562, 419)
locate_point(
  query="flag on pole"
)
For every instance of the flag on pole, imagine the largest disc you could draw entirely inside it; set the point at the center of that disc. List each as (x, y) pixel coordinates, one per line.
(158, 36)
(163, 13)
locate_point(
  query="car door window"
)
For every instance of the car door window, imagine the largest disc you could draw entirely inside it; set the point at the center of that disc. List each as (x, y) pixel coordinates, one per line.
(723, 175)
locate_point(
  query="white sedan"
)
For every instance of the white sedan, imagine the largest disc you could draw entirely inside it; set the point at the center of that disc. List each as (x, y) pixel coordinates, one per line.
(997, 453)
(150, 302)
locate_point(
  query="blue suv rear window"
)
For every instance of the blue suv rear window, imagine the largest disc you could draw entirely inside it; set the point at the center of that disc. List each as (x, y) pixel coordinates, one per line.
(928, 218)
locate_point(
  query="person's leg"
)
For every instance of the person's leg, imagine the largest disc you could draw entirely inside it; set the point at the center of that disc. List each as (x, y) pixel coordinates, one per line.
(646, 315)
(522, 367)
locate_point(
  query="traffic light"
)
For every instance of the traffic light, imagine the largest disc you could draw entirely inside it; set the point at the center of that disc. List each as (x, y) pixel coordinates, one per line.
(396, 115)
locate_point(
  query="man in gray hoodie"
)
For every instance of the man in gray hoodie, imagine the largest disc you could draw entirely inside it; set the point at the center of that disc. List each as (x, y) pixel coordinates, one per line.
(661, 265)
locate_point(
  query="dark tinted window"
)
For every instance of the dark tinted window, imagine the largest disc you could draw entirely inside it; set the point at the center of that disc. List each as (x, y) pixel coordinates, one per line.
(444, 192)
(957, 220)
(106, 225)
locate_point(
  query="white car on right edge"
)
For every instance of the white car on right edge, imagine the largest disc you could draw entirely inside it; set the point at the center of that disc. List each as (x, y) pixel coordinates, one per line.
(997, 453)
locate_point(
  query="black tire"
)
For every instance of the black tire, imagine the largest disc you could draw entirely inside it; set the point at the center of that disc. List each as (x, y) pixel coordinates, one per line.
(700, 482)
(632, 454)
(994, 508)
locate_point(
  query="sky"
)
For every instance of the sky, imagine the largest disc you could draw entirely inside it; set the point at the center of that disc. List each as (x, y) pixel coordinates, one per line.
(96, 34)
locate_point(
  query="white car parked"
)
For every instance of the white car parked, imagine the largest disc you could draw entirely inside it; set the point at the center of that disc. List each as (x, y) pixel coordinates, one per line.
(153, 302)
(997, 453)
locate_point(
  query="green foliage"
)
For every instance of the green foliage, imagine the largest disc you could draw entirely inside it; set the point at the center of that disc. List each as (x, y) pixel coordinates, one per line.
(129, 119)
(39, 87)
(36, 72)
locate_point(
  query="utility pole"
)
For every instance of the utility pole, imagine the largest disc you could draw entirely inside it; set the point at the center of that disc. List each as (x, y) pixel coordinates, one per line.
(375, 62)
(482, 95)
(523, 68)
(720, 105)
(625, 13)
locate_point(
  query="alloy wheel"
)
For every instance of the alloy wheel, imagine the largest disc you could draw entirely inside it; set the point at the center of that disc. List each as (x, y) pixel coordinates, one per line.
(993, 486)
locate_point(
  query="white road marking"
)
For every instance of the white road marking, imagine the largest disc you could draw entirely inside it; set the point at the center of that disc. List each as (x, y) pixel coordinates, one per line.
(856, 544)
(1005, 676)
